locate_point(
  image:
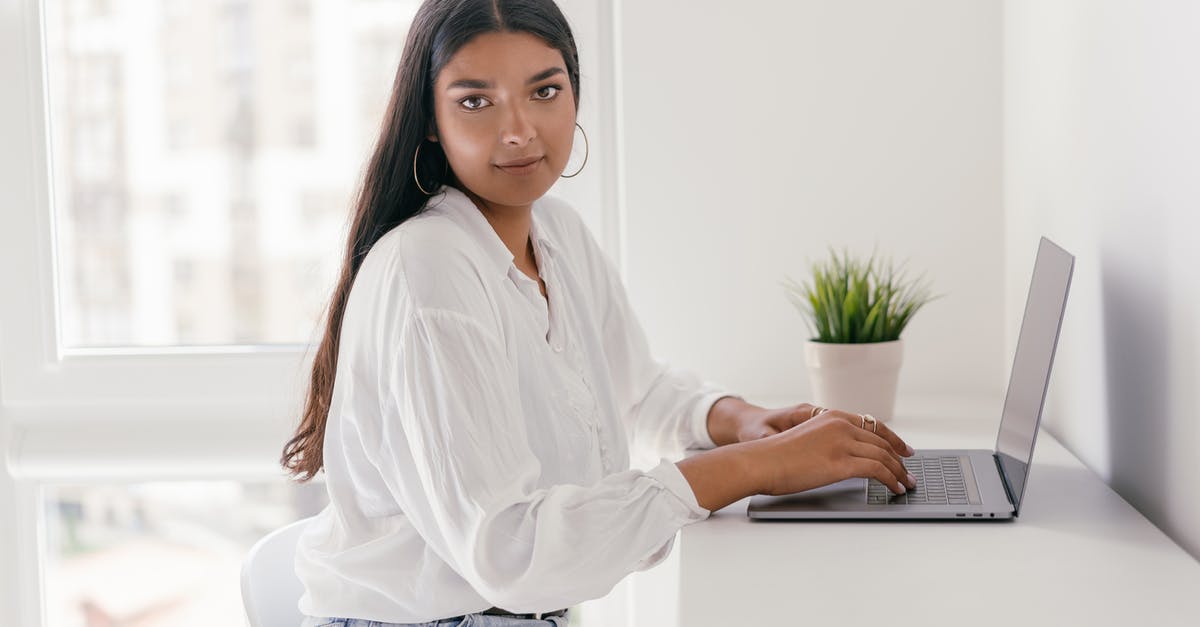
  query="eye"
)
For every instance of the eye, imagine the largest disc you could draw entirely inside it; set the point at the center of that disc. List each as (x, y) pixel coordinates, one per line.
(473, 103)
(542, 92)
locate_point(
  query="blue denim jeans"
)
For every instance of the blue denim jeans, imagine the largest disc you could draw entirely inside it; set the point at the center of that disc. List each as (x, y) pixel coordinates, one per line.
(469, 620)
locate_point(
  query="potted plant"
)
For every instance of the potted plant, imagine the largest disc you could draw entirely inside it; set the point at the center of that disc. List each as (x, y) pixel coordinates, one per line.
(856, 311)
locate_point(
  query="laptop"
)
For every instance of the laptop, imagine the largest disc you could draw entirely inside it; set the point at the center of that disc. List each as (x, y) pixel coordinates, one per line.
(962, 484)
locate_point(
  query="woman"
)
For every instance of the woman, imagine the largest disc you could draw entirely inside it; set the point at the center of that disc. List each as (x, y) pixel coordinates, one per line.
(482, 368)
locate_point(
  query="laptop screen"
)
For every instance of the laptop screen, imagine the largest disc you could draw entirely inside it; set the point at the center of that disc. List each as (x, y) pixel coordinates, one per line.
(1031, 364)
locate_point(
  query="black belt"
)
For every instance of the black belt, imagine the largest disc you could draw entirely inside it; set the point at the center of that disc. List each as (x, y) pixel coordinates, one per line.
(495, 611)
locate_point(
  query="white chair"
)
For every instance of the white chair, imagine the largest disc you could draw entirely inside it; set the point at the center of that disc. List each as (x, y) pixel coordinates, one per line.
(270, 588)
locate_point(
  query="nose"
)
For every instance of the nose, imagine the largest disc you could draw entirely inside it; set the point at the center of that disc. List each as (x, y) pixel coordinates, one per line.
(517, 129)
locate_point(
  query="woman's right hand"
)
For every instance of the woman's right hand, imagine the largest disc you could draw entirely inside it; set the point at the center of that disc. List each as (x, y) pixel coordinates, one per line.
(829, 448)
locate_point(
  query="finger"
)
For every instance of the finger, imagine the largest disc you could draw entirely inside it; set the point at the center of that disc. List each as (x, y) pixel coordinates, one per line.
(897, 473)
(870, 468)
(850, 417)
(803, 413)
(874, 439)
(881, 430)
(900, 446)
(862, 434)
(884, 448)
(786, 418)
(789, 417)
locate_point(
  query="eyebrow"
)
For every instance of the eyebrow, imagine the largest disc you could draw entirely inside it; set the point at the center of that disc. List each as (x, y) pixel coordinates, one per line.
(474, 83)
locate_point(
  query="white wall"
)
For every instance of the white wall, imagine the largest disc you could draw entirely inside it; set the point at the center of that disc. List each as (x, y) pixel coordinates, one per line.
(756, 134)
(9, 582)
(1102, 134)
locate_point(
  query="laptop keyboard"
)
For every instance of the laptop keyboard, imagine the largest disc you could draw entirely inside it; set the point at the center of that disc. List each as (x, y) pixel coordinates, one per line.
(940, 481)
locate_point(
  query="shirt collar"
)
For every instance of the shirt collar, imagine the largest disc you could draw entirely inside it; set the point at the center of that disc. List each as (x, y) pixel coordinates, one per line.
(463, 211)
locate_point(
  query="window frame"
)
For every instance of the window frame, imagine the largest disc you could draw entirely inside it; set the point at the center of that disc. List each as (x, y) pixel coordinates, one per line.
(139, 413)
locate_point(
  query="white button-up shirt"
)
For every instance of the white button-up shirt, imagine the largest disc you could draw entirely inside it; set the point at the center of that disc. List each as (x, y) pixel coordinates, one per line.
(477, 451)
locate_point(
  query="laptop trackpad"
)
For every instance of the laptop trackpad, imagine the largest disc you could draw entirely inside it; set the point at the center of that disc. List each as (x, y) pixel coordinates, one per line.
(847, 494)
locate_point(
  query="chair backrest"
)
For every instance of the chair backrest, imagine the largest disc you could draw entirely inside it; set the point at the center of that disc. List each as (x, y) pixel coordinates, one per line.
(270, 588)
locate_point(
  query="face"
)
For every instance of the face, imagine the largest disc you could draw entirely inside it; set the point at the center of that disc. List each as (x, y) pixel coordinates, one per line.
(505, 116)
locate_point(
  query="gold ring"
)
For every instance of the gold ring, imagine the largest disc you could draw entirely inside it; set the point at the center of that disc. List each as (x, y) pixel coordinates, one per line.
(816, 409)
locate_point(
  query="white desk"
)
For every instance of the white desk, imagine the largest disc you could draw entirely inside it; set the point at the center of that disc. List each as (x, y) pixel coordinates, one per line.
(1077, 555)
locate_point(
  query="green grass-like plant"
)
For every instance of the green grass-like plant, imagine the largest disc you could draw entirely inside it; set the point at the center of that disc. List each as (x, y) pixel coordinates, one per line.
(852, 302)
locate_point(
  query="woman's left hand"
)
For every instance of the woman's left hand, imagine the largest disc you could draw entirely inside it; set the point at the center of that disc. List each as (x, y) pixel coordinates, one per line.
(759, 422)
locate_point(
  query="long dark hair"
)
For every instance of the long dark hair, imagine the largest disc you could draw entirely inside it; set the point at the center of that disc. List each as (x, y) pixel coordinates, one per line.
(389, 195)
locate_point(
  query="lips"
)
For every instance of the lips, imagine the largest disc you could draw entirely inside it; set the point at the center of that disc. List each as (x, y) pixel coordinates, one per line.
(521, 167)
(516, 163)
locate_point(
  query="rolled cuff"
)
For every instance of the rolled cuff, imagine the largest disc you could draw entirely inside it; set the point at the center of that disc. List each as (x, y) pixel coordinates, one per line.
(699, 422)
(668, 474)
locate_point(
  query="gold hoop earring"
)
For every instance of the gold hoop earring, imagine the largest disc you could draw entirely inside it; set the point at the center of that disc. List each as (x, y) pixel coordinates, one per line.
(417, 179)
(587, 149)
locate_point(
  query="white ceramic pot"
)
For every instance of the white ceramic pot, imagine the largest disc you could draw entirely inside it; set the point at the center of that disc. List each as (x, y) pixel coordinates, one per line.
(859, 378)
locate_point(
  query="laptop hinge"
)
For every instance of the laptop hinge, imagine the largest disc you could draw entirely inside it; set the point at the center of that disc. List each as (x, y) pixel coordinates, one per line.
(1004, 481)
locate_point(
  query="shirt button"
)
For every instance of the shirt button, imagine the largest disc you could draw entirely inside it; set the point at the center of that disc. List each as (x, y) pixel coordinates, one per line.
(558, 348)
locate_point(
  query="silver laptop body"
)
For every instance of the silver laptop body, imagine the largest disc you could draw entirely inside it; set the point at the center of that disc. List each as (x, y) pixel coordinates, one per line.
(961, 484)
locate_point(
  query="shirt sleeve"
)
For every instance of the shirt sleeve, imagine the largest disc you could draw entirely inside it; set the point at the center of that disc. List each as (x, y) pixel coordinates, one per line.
(663, 407)
(455, 455)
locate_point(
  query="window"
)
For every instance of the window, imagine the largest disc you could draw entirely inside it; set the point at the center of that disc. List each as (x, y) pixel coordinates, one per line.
(159, 554)
(213, 105)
